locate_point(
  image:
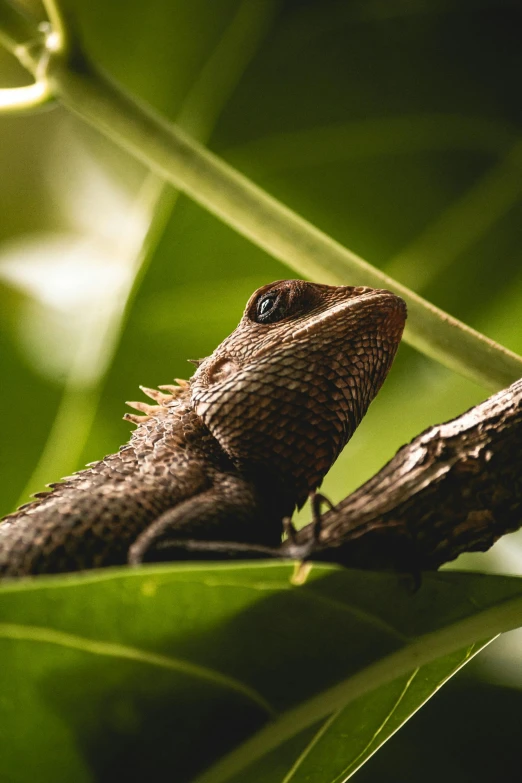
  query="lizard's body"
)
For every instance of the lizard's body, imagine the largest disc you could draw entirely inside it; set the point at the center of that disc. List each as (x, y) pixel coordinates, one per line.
(95, 516)
(229, 455)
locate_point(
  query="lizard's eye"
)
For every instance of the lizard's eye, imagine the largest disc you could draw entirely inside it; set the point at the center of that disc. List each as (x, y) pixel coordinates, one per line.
(270, 308)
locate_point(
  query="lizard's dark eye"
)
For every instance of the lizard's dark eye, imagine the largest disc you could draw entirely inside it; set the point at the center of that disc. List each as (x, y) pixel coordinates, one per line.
(266, 305)
(270, 308)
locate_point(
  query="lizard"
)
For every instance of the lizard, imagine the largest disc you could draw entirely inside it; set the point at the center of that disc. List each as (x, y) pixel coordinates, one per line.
(231, 453)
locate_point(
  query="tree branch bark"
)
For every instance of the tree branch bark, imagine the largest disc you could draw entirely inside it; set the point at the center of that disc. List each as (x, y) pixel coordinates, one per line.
(455, 488)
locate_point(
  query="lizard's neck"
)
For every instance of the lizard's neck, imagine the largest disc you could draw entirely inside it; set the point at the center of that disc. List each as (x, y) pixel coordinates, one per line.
(266, 438)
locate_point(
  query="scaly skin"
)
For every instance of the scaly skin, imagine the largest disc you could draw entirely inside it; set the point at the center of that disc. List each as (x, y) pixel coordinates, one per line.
(230, 454)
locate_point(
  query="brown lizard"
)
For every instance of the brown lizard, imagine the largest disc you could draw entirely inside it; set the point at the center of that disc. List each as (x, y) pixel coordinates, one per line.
(229, 454)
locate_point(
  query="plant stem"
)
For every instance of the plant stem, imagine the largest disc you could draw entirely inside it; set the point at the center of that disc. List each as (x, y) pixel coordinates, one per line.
(20, 99)
(58, 25)
(16, 30)
(271, 225)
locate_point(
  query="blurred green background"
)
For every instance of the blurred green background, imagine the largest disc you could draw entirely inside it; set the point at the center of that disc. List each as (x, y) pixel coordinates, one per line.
(394, 125)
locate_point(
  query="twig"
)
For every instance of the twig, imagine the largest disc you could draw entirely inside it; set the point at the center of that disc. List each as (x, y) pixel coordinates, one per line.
(455, 488)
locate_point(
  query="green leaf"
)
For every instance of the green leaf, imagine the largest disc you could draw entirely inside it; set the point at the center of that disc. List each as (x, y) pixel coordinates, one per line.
(157, 673)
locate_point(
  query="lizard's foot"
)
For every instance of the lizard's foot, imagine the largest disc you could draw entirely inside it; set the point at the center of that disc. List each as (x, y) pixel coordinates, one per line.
(305, 551)
(291, 547)
(289, 529)
(316, 501)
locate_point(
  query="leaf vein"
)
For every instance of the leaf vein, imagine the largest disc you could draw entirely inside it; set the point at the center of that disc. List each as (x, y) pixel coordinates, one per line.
(343, 776)
(33, 633)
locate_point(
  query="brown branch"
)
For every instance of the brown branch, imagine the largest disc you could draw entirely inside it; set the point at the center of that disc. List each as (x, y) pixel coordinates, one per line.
(455, 488)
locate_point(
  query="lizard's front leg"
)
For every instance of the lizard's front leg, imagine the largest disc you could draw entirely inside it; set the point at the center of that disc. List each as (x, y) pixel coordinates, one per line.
(227, 512)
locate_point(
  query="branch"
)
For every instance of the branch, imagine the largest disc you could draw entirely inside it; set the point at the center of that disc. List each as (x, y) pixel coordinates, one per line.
(455, 488)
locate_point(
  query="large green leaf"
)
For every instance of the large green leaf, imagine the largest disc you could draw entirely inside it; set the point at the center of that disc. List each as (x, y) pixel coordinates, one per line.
(156, 673)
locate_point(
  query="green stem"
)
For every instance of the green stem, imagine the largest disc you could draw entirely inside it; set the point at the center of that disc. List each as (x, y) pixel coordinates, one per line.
(271, 225)
(58, 26)
(15, 100)
(255, 214)
(16, 30)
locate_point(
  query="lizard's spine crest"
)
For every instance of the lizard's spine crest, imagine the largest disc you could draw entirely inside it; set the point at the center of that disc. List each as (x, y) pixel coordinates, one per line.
(144, 407)
(158, 396)
(174, 390)
(135, 419)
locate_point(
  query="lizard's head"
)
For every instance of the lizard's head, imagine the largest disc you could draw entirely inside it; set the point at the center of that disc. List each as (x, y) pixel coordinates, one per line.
(286, 390)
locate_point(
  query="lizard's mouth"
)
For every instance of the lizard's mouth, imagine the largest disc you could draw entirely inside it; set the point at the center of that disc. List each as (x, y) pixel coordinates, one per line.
(381, 301)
